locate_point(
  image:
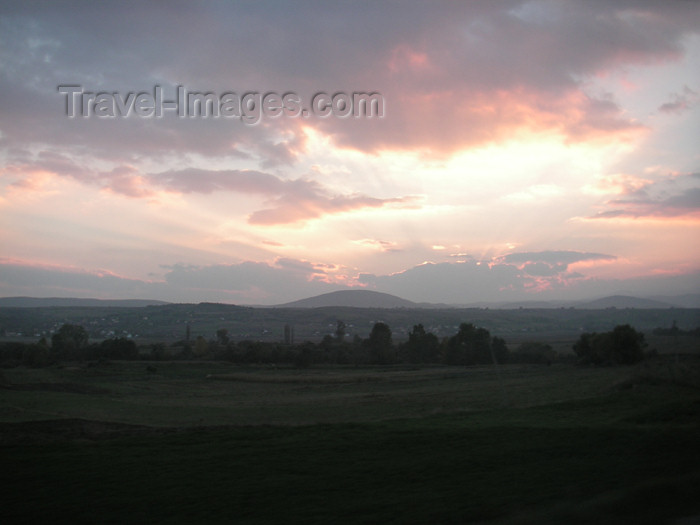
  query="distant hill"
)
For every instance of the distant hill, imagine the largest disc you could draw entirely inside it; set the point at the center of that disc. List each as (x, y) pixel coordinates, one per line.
(44, 302)
(612, 301)
(690, 300)
(623, 301)
(354, 299)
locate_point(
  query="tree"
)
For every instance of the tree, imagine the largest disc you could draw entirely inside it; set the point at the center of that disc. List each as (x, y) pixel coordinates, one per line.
(381, 349)
(118, 348)
(222, 336)
(69, 341)
(500, 350)
(422, 346)
(340, 331)
(201, 347)
(628, 345)
(470, 346)
(36, 355)
(623, 345)
(326, 343)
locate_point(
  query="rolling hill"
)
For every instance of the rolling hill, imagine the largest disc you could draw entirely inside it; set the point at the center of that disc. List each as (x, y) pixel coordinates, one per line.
(353, 299)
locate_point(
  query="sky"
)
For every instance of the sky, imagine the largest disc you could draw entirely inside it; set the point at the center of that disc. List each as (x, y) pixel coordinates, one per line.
(516, 150)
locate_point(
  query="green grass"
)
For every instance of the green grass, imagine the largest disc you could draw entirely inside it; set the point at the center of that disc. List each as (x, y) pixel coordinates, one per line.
(195, 394)
(571, 447)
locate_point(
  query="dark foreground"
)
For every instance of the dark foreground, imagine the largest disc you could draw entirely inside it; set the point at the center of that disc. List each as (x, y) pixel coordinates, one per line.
(628, 455)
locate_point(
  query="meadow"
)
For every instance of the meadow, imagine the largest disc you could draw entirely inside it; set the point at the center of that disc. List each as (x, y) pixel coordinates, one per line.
(211, 442)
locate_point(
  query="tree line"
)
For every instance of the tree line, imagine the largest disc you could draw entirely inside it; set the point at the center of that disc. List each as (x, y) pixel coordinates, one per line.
(471, 345)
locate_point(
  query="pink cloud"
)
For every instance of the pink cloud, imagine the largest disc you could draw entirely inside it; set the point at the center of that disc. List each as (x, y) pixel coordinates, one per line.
(292, 200)
(289, 208)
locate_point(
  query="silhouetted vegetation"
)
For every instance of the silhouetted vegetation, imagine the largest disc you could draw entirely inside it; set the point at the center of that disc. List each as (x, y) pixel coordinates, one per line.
(421, 347)
(533, 352)
(69, 342)
(675, 331)
(169, 323)
(622, 346)
(466, 344)
(470, 346)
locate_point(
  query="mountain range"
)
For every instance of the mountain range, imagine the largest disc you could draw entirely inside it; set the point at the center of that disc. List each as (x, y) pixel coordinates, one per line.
(372, 299)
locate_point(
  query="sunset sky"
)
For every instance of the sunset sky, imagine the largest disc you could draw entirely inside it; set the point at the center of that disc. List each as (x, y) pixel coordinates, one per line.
(527, 151)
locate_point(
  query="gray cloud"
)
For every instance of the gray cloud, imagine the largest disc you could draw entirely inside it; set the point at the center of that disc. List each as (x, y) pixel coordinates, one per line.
(681, 102)
(252, 282)
(504, 278)
(457, 283)
(474, 283)
(287, 280)
(669, 197)
(243, 283)
(22, 280)
(453, 74)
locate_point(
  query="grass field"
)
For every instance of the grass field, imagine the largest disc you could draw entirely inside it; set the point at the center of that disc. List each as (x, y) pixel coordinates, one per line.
(215, 443)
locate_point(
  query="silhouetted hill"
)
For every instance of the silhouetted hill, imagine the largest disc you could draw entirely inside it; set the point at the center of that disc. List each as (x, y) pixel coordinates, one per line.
(43, 302)
(623, 301)
(690, 300)
(354, 299)
(612, 301)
